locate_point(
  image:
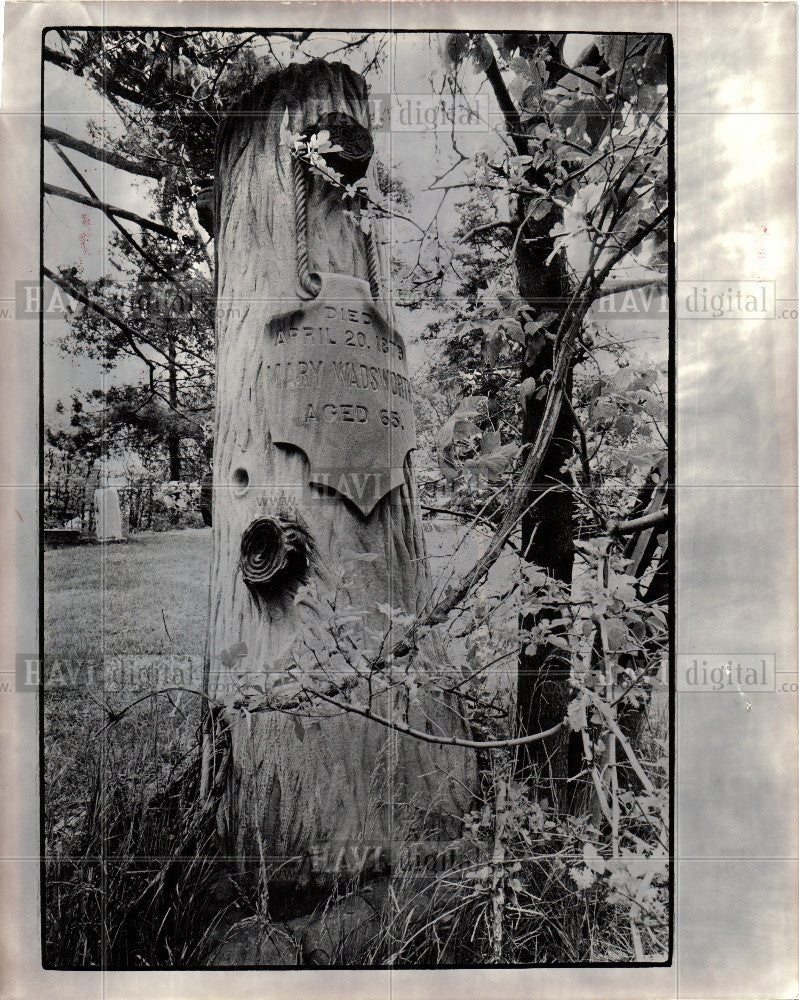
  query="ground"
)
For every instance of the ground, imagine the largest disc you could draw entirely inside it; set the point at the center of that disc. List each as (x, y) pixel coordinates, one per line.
(148, 595)
(144, 600)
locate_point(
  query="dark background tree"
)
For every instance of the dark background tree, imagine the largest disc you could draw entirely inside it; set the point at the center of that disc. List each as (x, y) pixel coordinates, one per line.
(157, 310)
(560, 122)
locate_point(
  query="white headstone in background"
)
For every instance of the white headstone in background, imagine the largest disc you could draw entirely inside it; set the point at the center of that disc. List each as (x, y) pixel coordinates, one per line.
(108, 515)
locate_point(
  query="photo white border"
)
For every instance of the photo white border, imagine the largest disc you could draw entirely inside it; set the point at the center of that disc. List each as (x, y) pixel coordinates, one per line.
(737, 845)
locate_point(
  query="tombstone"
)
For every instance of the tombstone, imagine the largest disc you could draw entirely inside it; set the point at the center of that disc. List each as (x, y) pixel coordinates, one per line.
(313, 476)
(108, 514)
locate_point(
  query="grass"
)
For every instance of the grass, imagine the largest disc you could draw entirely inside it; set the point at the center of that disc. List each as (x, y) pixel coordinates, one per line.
(115, 795)
(145, 599)
(148, 595)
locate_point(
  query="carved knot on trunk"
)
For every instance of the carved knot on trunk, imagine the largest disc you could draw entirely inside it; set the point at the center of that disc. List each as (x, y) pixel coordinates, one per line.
(352, 160)
(275, 553)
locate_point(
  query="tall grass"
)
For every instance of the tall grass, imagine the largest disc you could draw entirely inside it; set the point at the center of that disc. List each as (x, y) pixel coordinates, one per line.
(514, 899)
(139, 880)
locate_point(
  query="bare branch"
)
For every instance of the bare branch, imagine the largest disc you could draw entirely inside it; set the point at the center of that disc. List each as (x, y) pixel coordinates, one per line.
(653, 520)
(607, 714)
(487, 227)
(123, 213)
(108, 156)
(450, 741)
(618, 287)
(58, 58)
(584, 461)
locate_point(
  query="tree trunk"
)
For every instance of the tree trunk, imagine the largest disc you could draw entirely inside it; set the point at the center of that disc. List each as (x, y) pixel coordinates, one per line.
(542, 690)
(547, 541)
(173, 438)
(299, 788)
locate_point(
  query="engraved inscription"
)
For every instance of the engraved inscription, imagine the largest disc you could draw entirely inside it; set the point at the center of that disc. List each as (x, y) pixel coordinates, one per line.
(337, 387)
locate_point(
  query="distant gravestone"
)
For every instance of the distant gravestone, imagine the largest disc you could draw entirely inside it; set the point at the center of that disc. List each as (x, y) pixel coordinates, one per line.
(108, 515)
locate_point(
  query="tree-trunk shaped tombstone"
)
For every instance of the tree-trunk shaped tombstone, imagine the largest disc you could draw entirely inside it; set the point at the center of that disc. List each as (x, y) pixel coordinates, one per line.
(317, 528)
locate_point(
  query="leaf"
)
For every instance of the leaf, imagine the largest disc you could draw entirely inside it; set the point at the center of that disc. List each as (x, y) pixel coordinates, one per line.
(512, 327)
(520, 66)
(534, 347)
(624, 425)
(583, 878)
(577, 130)
(447, 467)
(654, 407)
(516, 88)
(593, 860)
(531, 96)
(532, 328)
(575, 713)
(617, 634)
(299, 731)
(494, 464)
(456, 45)
(462, 430)
(527, 389)
(519, 161)
(472, 407)
(491, 442)
(482, 53)
(542, 209)
(492, 347)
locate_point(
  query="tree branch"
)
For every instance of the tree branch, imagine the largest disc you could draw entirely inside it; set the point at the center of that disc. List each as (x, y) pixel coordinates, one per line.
(58, 58)
(513, 121)
(612, 725)
(653, 520)
(132, 336)
(108, 156)
(486, 227)
(449, 741)
(147, 257)
(123, 213)
(618, 287)
(584, 461)
(80, 296)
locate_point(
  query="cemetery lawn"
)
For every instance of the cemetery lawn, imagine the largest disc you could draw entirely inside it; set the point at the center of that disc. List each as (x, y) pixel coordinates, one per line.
(145, 600)
(146, 595)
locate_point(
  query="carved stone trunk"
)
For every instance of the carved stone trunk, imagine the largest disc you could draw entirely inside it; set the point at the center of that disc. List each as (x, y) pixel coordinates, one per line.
(306, 787)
